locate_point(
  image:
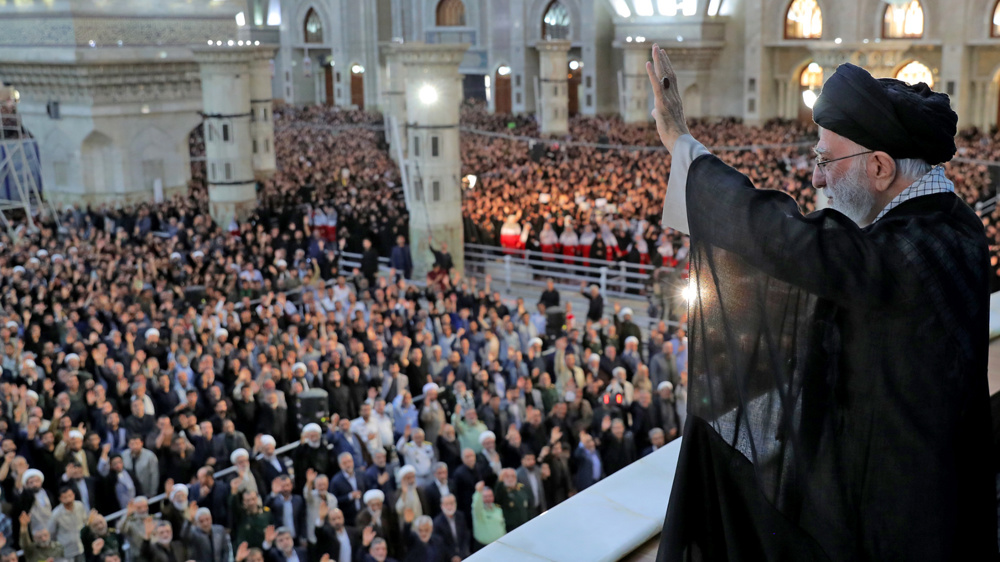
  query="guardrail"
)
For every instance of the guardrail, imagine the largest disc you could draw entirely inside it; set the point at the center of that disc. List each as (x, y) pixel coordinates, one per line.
(616, 279)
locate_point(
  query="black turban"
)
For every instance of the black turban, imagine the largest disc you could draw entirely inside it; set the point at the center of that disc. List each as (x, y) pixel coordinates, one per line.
(888, 115)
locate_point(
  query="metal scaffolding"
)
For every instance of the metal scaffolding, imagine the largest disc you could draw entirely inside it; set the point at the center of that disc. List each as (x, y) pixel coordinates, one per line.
(20, 168)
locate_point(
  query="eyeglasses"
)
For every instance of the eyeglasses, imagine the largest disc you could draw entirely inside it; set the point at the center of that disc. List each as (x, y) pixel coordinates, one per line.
(820, 163)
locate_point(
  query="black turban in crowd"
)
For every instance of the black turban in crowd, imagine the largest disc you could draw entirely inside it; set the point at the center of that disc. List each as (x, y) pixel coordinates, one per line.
(888, 115)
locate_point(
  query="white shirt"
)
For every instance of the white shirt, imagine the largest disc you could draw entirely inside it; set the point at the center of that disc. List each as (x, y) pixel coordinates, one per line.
(345, 546)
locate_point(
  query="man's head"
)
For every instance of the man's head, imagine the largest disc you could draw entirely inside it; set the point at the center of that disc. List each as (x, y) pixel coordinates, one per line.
(441, 472)
(379, 550)
(469, 458)
(877, 136)
(656, 437)
(346, 462)
(284, 541)
(336, 519)
(163, 534)
(425, 527)
(67, 496)
(203, 517)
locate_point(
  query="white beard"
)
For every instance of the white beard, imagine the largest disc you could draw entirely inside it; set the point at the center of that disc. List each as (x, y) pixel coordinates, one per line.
(851, 193)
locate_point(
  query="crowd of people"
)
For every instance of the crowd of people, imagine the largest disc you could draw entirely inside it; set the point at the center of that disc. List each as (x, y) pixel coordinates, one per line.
(147, 350)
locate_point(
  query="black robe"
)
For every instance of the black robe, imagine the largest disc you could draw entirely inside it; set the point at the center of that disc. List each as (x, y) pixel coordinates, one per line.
(838, 406)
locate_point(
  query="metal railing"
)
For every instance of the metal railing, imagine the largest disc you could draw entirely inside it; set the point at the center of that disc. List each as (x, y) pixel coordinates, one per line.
(616, 279)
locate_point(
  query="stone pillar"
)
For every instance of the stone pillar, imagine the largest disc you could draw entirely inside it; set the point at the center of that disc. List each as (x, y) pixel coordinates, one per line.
(262, 118)
(394, 96)
(225, 89)
(636, 82)
(433, 95)
(553, 74)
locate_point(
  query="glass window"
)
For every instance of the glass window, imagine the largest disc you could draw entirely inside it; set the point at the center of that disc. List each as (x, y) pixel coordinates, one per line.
(903, 22)
(313, 27)
(915, 72)
(803, 20)
(450, 13)
(555, 22)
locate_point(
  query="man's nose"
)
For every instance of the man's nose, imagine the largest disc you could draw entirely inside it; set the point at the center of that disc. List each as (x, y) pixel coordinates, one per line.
(818, 178)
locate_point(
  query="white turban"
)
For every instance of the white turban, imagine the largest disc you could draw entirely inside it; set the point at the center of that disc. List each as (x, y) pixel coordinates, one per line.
(221, 332)
(617, 370)
(487, 435)
(11, 324)
(57, 257)
(175, 255)
(631, 339)
(152, 332)
(75, 434)
(31, 473)
(237, 454)
(407, 469)
(665, 384)
(429, 387)
(297, 366)
(32, 394)
(198, 254)
(177, 489)
(267, 440)
(535, 341)
(281, 263)
(626, 311)
(373, 495)
(71, 357)
(18, 269)
(43, 253)
(312, 427)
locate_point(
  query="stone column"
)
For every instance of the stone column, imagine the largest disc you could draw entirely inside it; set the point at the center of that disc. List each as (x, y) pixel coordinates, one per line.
(553, 74)
(636, 82)
(394, 96)
(433, 94)
(225, 88)
(262, 120)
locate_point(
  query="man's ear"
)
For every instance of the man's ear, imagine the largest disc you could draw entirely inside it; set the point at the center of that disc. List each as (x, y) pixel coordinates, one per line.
(881, 170)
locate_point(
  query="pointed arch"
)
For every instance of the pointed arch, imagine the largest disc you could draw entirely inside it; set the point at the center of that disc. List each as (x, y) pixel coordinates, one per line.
(803, 20)
(903, 22)
(450, 13)
(914, 72)
(312, 27)
(995, 20)
(556, 21)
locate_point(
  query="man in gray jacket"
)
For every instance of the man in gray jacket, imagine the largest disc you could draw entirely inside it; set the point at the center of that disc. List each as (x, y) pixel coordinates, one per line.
(205, 542)
(68, 519)
(143, 466)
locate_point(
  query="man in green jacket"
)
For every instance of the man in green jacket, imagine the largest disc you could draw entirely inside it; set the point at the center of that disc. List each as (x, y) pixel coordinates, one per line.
(250, 519)
(513, 499)
(487, 518)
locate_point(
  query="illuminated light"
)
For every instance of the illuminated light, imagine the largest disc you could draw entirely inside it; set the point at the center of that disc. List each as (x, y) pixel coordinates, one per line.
(618, 398)
(667, 7)
(607, 400)
(163, 54)
(628, 39)
(621, 8)
(258, 43)
(690, 7)
(680, 38)
(503, 70)
(218, 43)
(643, 7)
(92, 43)
(487, 81)
(640, 39)
(713, 8)
(240, 42)
(17, 96)
(120, 42)
(210, 43)
(241, 19)
(688, 293)
(230, 42)
(814, 67)
(573, 65)
(865, 41)
(472, 181)
(428, 94)
(838, 40)
(809, 98)
(274, 12)
(357, 69)
(144, 109)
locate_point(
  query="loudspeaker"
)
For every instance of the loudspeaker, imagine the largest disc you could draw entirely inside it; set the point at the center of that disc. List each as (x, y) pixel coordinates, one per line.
(555, 320)
(537, 152)
(52, 108)
(313, 407)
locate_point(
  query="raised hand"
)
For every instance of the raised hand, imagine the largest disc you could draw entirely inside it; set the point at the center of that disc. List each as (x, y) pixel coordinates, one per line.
(97, 546)
(270, 534)
(367, 536)
(242, 552)
(668, 110)
(408, 515)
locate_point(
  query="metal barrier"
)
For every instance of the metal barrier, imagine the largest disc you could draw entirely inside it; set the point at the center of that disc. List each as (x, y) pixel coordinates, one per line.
(616, 279)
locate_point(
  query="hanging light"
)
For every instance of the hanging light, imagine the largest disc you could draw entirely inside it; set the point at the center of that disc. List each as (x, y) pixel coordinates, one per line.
(809, 98)
(428, 94)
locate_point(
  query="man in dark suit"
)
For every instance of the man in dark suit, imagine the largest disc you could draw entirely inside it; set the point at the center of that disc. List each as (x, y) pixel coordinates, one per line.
(211, 494)
(466, 477)
(205, 542)
(532, 476)
(268, 464)
(284, 549)
(369, 262)
(382, 518)
(336, 539)
(453, 529)
(422, 545)
(85, 488)
(349, 486)
(287, 510)
(439, 488)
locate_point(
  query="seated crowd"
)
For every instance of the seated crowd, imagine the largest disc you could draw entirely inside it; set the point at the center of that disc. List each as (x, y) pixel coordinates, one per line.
(147, 350)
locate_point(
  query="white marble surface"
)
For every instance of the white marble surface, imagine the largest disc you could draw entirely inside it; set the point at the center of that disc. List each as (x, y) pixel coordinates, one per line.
(604, 522)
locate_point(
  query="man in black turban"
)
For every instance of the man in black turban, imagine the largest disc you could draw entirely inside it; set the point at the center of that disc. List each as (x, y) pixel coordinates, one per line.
(838, 397)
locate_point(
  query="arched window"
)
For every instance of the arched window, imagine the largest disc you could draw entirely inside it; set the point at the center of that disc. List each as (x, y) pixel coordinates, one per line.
(995, 26)
(905, 21)
(450, 13)
(555, 22)
(915, 72)
(313, 27)
(803, 20)
(812, 76)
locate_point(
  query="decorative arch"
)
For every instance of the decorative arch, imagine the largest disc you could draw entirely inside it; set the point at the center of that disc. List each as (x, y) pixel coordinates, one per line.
(903, 22)
(97, 154)
(153, 150)
(450, 13)
(803, 20)
(312, 27)
(915, 71)
(556, 21)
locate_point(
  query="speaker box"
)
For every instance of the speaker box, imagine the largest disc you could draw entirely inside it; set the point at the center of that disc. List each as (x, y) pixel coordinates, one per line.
(555, 319)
